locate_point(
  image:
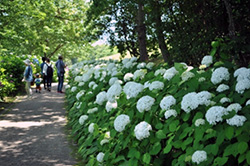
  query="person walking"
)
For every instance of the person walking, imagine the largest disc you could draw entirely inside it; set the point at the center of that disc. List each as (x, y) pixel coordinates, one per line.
(43, 75)
(28, 77)
(60, 73)
(48, 72)
(38, 81)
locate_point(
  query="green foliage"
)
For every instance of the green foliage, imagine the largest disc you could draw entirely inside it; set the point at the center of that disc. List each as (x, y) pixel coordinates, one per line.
(172, 141)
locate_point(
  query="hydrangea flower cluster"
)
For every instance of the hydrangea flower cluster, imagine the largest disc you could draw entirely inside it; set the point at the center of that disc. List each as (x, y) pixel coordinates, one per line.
(111, 105)
(167, 102)
(236, 120)
(82, 119)
(219, 75)
(199, 122)
(156, 85)
(169, 113)
(113, 92)
(207, 60)
(225, 100)
(142, 130)
(192, 100)
(139, 74)
(215, 114)
(160, 71)
(199, 156)
(79, 94)
(128, 77)
(243, 79)
(91, 127)
(92, 110)
(101, 98)
(132, 89)
(145, 103)
(170, 73)
(73, 89)
(120, 122)
(222, 87)
(235, 106)
(187, 75)
(100, 157)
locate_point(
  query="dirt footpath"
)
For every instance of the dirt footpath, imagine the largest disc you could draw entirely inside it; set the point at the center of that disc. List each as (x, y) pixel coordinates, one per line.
(32, 132)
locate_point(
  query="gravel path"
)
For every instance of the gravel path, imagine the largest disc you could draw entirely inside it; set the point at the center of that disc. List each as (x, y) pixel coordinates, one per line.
(32, 132)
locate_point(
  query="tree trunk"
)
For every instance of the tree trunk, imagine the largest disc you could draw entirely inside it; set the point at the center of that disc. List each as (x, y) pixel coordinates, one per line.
(231, 26)
(141, 29)
(159, 32)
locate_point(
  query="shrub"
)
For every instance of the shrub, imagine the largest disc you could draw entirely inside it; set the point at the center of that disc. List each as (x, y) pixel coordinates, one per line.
(159, 115)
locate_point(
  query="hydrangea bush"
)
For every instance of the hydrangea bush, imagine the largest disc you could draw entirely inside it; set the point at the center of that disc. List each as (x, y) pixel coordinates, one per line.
(146, 114)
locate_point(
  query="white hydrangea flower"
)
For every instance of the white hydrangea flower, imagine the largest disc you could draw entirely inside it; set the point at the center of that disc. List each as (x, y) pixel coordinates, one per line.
(225, 100)
(204, 98)
(160, 71)
(167, 102)
(170, 73)
(104, 74)
(81, 83)
(128, 77)
(186, 75)
(145, 103)
(199, 122)
(79, 105)
(199, 156)
(78, 79)
(235, 106)
(91, 84)
(113, 92)
(73, 89)
(248, 102)
(79, 94)
(219, 75)
(142, 130)
(158, 85)
(237, 120)
(190, 102)
(150, 65)
(207, 60)
(68, 86)
(146, 84)
(202, 79)
(120, 122)
(107, 135)
(104, 141)
(169, 113)
(141, 65)
(100, 157)
(222, 87)
(82, 119)
(111, 105)
(91, 127)
(242, 74)
(132, 89)
(110, 66)
(86, 77)
(101, 98)
(139, 74)
(242, 85)
(92, 110)
(112, 80)
(128, 65)
(215, 113)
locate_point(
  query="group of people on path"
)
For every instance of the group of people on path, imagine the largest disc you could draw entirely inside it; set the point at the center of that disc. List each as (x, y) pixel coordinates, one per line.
(46, 73)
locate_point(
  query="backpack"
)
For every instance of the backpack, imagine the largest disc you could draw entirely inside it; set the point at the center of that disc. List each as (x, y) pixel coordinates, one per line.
(49, 71)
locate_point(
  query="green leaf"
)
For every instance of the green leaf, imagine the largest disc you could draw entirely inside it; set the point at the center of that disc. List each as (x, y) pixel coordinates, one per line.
(220, 160)
(167, 148)
(134, 153)
(156, 148)
(133, 162)
(229, 132)
(242, 147)
(248, 157)
(119, 158)
(158, 125)
(160, 134)
(146, 158)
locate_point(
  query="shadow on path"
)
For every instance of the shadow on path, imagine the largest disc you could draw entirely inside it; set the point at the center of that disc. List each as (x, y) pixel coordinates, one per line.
(32, 132)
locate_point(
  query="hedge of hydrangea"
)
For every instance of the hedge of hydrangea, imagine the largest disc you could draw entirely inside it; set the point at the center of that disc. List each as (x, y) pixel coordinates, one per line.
(132, 113)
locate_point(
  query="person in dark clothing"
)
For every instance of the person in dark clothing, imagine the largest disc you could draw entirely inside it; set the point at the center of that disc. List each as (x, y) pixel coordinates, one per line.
(43, 75)
(48, 72)
(60, 73)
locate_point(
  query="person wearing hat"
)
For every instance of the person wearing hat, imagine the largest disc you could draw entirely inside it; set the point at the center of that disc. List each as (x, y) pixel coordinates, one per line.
(27, 77)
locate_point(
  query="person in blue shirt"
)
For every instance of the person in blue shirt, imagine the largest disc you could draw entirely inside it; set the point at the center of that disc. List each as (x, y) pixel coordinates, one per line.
(28, 77)
(44, 77)
(60, 73)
